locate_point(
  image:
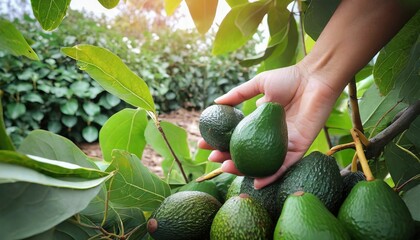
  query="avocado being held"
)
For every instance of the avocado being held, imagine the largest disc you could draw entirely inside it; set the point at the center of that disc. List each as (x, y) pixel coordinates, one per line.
(217, 123)
(373, 210)
(183, 215)
(304, 216)
(259, 142)
(241, 218)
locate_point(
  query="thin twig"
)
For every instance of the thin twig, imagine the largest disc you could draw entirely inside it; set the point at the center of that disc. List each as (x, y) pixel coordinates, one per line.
(361, 155)
(355, 113)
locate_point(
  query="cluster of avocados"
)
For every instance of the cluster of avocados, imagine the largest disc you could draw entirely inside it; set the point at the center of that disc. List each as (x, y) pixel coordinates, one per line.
(310, 201)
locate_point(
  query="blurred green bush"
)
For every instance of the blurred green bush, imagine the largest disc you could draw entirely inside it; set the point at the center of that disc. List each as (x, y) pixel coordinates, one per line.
(54, 94)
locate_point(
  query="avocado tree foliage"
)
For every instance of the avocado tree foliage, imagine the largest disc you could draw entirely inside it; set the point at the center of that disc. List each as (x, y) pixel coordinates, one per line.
(50, 189)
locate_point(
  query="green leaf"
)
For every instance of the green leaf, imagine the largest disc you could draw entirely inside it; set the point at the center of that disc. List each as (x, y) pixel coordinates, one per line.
(68, 229)
(134, 185)
(80, 88)
(377, 111)
(50, 13)
(14, 110)
(250, 16)
(250, 105)
(27, 209)
(109, 4)
(412, 133)
(411, 199)
(319, 144)
(202, 12)
(5, 141)
(402, 165)
(54, 126)
(124, 130)
(33, 98)
(394, 57)
(408, 81)
(112, 100)
(69, 121)
(279, 23)
(234, 3)
(90, 133)
(229, 37)
(317, 16)
(13, 41)
(171, 6)
(52, 146)
(112, 74)
(70, 107)
(48, 167)
(91, 108)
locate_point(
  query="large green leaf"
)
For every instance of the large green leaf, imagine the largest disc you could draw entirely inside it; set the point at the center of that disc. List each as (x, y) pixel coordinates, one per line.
(124, 130)
(412, 133)
(411, 199)
(317, 16)
(234, 3)
(52, 146)
(5, 141)
(49, 167)
(109, 3)
(202, 12)
(402, 165)
(134, 185)
(171, 6)
(112, 74)
(250, 17)
(377, 111)
(69, 230)
(13, 41)
(408, 81)
(393, 58)
(229, 36)
(27, 209)
(50, 13)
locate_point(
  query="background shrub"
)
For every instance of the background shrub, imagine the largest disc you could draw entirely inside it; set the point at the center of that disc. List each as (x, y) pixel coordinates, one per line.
(54, 94)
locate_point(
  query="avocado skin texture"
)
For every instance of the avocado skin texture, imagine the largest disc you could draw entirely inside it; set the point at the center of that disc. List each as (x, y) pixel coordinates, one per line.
(241, 218)
(183, 215)
(266, 196)
(235, 187)
(373, 210)
(316, 173)
(304, 216)
(206, 186)
(259, 142)
(217, 123)
(350, 180)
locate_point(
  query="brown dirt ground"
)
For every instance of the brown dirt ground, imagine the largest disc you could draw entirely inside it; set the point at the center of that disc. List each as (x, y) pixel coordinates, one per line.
(183, 118)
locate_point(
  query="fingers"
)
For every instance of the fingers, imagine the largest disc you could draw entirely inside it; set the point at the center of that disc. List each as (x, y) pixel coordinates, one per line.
(218, 156)
(262, 182)
(204, 145)
(242, 92)
(229, 167)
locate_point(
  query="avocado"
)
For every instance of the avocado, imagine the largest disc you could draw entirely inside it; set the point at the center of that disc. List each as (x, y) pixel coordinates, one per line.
(205, 186)
(235, 187)
(350, 180)
(217, 123)
(316, 173)
(258, 144)
(223, 183)
(266, 196)
(304, 216)
(183, 215)
(373, 210)
(241, 218)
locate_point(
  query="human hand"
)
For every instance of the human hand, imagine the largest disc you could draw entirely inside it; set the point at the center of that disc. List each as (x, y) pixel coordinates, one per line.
(306, 99)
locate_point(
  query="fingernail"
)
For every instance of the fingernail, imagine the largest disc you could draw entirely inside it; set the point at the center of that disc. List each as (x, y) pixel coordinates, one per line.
(211, 156)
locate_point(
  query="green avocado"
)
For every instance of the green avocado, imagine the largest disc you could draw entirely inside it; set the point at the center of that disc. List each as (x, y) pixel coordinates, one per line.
(304, 216)
(373, 210)
(217, 123)
(350, 180)
(235, 187)
(258, 144)
(241, 218)
(183, 215)
(205, 186)
(316, 173)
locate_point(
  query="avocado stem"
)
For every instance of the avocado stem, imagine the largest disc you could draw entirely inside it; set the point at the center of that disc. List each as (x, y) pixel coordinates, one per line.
(216, 172)
(361, 155)
(339, 148)
(354, 163)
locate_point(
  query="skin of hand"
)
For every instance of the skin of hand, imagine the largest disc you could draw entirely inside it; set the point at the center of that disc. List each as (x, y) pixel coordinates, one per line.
(309, 89)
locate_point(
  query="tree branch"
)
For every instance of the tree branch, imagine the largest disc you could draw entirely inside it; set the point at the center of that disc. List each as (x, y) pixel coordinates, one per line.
(354, 105)
(400, 124)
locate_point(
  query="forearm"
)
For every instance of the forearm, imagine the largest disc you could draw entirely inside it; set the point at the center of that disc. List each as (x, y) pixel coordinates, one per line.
(356, 32)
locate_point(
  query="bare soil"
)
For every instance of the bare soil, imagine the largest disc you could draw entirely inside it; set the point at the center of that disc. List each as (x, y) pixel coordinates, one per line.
(183, 118)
